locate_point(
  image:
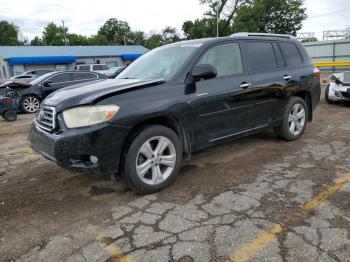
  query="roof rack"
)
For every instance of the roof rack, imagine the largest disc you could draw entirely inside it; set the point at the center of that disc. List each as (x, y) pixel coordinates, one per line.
(264, 34)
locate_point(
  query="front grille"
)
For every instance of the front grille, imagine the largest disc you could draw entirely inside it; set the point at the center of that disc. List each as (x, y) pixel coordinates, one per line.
(46, 118)
(346, 94)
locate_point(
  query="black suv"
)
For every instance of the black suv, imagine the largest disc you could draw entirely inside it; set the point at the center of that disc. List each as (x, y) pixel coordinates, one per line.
(31, 95)
(176, 100)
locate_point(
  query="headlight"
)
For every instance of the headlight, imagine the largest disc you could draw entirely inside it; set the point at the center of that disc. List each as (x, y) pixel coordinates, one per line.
(89, 115)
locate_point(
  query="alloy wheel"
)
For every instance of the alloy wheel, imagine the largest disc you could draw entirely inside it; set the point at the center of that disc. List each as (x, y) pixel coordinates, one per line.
(156, 160)
(31, 104)
(296, 119)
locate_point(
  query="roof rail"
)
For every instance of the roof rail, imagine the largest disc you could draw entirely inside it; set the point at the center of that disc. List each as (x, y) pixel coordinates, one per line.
(264, 34)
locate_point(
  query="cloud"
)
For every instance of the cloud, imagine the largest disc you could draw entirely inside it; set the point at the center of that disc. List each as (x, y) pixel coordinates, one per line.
(85, 17)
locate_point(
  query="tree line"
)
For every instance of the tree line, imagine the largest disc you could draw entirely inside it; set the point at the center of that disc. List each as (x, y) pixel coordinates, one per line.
(265, 16)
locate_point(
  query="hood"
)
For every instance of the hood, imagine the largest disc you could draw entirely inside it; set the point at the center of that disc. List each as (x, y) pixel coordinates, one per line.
(89, 93)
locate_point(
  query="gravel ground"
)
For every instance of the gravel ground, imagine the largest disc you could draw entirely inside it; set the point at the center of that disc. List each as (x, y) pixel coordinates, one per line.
(244, 200)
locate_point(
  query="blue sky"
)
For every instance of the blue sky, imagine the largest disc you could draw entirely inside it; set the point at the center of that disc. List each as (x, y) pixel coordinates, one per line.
(85, 17)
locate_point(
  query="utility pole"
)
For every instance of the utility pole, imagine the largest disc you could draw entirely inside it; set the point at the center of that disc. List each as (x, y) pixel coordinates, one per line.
(217, 19)
(64, 34)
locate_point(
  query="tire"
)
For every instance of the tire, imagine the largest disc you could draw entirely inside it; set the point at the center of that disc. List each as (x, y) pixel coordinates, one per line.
(29, 104)
(10, 116)
(291, 114)
(142, 153)
(326, 96)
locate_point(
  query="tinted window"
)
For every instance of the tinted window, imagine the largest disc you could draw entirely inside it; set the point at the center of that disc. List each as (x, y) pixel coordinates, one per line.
(279, 57)
(84, 68)
(260, 56)
(59, 78)
(291, 53)
(226, 58)
(99, 67)
(82, 76)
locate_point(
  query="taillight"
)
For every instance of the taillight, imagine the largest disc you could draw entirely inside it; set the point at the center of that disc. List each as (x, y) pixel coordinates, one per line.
(317, 73)
(6, 101)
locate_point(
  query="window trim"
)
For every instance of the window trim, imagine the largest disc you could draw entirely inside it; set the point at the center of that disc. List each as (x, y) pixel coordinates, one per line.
(245, 58)
(217, 44)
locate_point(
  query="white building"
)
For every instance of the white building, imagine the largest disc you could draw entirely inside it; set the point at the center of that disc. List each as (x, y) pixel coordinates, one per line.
(18, 59)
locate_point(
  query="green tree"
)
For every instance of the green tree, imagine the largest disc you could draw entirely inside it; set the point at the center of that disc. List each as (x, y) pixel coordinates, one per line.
(226, 11)
(36, 41)
(271, 16)
(115, 31)
(154, 40)
(136, 38)
(8, 33)
(170, 35)
(75, 39)
(54, 35)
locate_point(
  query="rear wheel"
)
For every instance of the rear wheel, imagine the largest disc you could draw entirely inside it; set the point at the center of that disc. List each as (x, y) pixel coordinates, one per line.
(152, 160)
(294, 120)
(326, 96)
(30, 104)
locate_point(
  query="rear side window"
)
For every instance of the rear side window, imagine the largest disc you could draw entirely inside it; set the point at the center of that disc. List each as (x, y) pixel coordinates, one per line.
(291, 53)
(83, 76)
(84, 68)
(59, 78)
(226, 58)
(99, 67)
(259, 56)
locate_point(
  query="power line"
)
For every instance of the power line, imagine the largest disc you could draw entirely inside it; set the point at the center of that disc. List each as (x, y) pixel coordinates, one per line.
(333, 12)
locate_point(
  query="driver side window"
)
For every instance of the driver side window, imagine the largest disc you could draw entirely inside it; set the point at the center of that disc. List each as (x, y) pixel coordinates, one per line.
(226, 58)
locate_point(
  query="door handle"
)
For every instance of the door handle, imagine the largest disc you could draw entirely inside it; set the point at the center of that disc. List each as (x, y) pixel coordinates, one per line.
(245, 85)
(286, 77)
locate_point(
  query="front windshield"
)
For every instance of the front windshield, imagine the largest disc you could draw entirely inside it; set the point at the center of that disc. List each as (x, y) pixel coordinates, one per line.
(41, 78)
(160, 63)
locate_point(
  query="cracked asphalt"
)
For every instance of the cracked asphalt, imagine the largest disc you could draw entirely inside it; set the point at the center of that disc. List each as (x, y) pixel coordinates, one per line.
(244, 200)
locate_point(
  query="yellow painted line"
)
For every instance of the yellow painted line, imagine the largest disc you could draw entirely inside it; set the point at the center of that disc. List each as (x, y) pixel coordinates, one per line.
(332, 64)
(257, 245)
(115, 251)
(265, 238)
(326, 193)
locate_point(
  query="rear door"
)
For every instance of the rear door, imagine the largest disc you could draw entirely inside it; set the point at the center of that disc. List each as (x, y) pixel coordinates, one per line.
(265, 64)
(220, 103)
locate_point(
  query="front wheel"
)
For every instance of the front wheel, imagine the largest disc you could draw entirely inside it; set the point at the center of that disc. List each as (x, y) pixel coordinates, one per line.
(294, 120)
(30, 104)
(152, 160)
(326, 96)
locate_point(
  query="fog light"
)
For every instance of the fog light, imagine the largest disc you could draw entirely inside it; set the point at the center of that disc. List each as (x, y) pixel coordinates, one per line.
(94, 159)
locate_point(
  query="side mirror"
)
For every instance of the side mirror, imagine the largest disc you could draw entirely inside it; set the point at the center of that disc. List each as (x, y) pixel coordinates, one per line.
(204, 71)
(47, 83)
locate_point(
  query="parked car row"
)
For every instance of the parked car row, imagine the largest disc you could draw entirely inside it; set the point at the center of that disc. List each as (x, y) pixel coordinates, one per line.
(33, 86)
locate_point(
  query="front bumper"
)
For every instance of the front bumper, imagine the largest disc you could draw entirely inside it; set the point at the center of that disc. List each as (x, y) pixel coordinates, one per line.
(339, 93)
(72, 148)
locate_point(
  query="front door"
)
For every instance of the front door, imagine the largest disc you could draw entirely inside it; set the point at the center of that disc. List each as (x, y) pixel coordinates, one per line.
(220, 104)
(56, 82)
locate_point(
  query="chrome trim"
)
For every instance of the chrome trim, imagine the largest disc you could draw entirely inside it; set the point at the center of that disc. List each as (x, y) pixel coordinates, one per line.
(46, 126)
(237, 133)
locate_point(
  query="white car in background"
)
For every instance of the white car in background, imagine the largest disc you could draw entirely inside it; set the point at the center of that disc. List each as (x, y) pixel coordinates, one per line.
(99, 68)
(338, 90)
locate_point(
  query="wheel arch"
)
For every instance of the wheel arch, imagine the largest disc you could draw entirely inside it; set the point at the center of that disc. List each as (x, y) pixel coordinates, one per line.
(170, 121)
